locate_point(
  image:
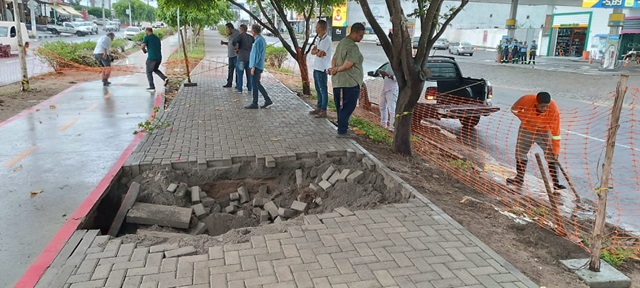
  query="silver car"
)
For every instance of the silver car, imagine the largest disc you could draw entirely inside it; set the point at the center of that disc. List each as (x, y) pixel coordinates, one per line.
(131, 31)
(441, 44)
(461, 48)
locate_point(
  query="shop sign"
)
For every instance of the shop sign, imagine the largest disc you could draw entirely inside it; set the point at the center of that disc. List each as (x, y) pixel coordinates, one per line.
(569, 25)
(610, 3)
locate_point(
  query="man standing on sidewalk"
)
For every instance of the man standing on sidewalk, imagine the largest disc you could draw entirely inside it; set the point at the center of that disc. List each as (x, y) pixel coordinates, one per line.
(540, 123)
(533, 50)
(321, 63)
(389, 98)
(101, 54)
(231, 53)
(347, 76)
(256, 64)
(243, 44)
(152, 46)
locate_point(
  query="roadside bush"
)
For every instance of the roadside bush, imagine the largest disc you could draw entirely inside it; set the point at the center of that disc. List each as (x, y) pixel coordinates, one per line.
(275, 56)
(119, 45)
(61, 55)
(138, 37)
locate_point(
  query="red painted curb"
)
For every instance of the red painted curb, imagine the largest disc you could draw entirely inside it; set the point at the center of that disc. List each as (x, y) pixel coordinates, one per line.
(39, 105)
(31, 277)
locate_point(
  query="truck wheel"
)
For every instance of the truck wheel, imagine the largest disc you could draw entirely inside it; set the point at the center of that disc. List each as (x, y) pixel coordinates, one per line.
(469, 122)
(78, 33)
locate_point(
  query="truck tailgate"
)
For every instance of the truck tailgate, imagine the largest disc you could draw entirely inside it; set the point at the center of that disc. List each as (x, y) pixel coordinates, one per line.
(465, 110)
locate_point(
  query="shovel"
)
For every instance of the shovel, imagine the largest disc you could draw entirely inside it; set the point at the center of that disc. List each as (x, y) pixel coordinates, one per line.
(573, 189)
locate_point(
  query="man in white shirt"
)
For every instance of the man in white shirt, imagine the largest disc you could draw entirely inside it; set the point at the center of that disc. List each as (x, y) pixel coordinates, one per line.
(322, 62)
(388, 98)
(101, 53)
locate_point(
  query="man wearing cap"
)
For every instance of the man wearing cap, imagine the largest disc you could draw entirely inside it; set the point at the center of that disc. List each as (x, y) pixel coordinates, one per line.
(540, 123)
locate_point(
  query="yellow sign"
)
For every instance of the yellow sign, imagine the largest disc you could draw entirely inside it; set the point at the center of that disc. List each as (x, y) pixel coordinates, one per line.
(589, 3)
(339, 16)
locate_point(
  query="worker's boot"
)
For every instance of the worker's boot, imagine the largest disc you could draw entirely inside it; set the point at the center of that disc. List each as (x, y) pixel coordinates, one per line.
(553, 170)
(521, 167)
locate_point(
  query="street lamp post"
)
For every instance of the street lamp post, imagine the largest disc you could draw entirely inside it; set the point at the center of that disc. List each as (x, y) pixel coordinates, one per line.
(130, 22)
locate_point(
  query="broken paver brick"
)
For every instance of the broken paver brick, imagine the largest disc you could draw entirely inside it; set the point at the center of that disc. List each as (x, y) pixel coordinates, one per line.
(264, 216)
(299, 178)
(299, 206)
(318, 200)
(334, 178)
(172, 187)
(180, 252)
(286, 213)
(355, 176)
(127, 203)
(152, 214)
(234, 196)
(368, 163)
(270, 162)
(344, 211)
(278, 220)
(324, 184)
(328, 173)
(244, 194)
(163, 247)
(198, 209)
(259, 202)
(230, 209)
(314, 187)
(195, 194)
(343, 175)
(271, 208)
(208, 201)
(200, 228)
(182, 190)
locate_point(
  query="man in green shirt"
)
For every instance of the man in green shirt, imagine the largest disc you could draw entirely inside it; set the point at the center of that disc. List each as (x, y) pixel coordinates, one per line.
(152, 46)
(347, 76)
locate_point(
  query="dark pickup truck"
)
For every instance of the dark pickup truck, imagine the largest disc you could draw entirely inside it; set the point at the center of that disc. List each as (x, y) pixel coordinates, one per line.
(447, 94)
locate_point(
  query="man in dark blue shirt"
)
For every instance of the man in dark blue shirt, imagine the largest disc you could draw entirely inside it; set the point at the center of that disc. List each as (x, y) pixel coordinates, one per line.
(152, 46)
(243, 43)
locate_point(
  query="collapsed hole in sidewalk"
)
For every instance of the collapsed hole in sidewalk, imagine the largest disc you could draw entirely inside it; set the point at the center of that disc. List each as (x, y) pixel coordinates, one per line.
(273, 195)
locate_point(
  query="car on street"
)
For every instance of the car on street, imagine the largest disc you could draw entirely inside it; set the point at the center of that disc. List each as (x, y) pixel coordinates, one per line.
(441, 44)
(445, 95)
(461, 48)
(130, 32)
(93, 27)
(111, 26)
(8, 36)
(70, 28)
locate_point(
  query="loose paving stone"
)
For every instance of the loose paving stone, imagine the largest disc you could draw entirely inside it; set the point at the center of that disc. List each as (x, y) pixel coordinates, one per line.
(151, 214)
(355, 176)
(299, 178)
(278, 220)
(343, 175)
(244, 194)
(334, 178)
(127, 203)
(181, 192)
(272, 209)
(172, 187)
(184, 251)
(299, 206)
(230, 209)
(242, 213)
(286, 213)
(208, 201)
(368, 163)
(328, 173)
(259, 202)
(344, 211)
(198, 209)
(195, 194)
(200, 228)
(264, 216)
(270, 162)
(234, 196)
(324, 184)
(314, 187)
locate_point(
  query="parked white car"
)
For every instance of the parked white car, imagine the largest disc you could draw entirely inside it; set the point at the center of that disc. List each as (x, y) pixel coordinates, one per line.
(92, 26)
(131, 31)
(9, 34)
(111, 26)
(461, 48)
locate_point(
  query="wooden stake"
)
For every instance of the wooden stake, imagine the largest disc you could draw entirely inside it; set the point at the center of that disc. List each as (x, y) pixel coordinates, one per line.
(603, 191)
(552, 198)
(186, 59)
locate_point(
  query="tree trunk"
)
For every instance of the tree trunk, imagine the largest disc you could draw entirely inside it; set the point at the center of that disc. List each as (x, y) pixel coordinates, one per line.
(404, 107)
(304, 71)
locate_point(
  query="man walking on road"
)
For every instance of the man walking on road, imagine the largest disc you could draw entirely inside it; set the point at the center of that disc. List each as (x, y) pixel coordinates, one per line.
(540, 123)
(101, 54)
(231, 53)
(243, 44)
(347, 76)
(256, 64)
(322, 62)
(152, 46)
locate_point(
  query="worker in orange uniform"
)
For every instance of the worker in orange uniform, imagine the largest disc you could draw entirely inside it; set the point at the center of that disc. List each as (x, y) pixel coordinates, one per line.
(540, 123)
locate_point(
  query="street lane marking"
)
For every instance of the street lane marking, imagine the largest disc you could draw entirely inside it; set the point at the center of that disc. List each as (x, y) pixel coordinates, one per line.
(68, 124)
(21, 156)
(598, 139)
(92, 107)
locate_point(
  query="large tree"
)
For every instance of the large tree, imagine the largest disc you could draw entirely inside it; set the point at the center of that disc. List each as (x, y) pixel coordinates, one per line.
(198, 17)
(267, 13)
(140, 11)
(97, 12)
(411, 71)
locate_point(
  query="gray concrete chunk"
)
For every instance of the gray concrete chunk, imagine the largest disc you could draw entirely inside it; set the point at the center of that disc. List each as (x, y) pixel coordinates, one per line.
(208, 201)
(200, 228)
(242, 213)
(195, 194)
(271, 208)
(216, 208)
(270, 162)
(334, 178)
(151, 214)
(244, 194)
(203, 194)
(286, 213)
(198, 209)
(182, 190)
(299, 178)
(172, 187)
(608, 277)
(299, 206)
(368, 163)
(314, 187)
(234, 196)
(324, 184)
(128, 201)
(234, 203)
(189, 250)
(343, 175)
(259, 202)
(278, 220)
(355, 176)
(264, 216)
(230, 209)
(328, 173)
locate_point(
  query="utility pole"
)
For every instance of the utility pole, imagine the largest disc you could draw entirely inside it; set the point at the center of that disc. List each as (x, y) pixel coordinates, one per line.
(24, 85)
(32, 9)
(180, 35)
(103, 10)
(130, 22)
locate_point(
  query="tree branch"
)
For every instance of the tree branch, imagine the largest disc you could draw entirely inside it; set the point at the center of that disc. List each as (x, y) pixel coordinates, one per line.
(448, 21)
(384, 40)
(427, 21)
(281, 12)
(307, 19)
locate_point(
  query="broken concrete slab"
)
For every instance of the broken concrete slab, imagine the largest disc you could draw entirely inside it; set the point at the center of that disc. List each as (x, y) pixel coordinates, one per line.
(343, 175)
(271, 208)
(127, 203)
(324, 184)
(344, 211)
(199, 210)
(244, 194)
(230, 209)
(195, 194)
(608, 277)
(334, 178)
(259, 202)
(181, 192)
(200, 228)
(329, 172)
(264, 216)
(355, 176)
(286, 213)
(299, 206)
(152, 214)
(184, 251)
(368, 163)
(172, 187)
(234, 196)
(208, 201)
(270, 162)
(299, 178)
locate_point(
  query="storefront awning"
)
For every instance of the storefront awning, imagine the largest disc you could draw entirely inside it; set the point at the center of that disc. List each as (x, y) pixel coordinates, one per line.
(59, 9)
(71, 11)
